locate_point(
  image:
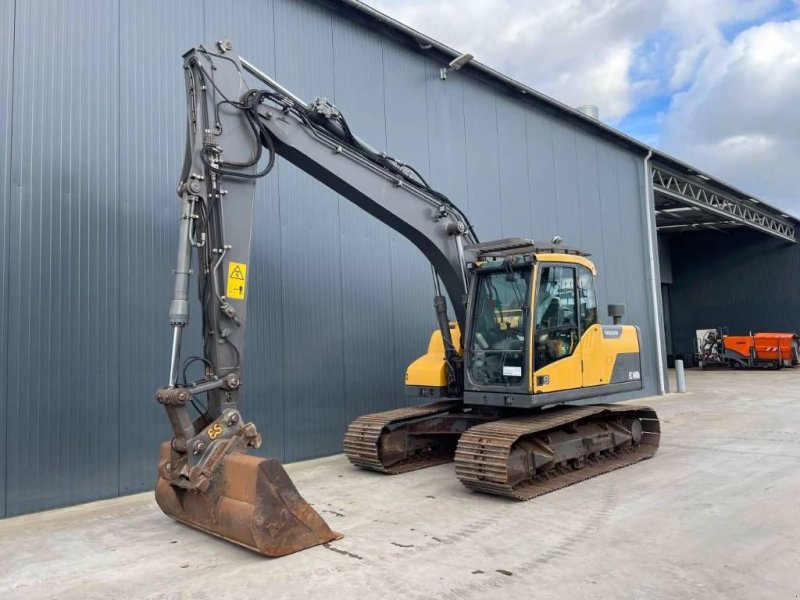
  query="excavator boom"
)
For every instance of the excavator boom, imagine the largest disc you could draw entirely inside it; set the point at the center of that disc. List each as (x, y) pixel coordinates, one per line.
(315, 137)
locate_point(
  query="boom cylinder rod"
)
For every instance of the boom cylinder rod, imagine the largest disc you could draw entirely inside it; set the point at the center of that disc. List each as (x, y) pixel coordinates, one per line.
(264, 78)
(179, 308)
(330, 125)
(440, 306)
(436, 287)
(177, 332)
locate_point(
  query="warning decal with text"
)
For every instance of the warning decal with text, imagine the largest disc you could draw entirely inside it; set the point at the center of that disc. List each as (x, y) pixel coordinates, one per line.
(236, 280)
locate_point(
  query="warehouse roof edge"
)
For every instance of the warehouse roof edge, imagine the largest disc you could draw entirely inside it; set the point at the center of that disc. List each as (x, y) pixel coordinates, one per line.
(745, 209)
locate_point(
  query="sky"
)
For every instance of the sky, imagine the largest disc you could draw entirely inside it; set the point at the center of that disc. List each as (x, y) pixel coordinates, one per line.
(715, 83)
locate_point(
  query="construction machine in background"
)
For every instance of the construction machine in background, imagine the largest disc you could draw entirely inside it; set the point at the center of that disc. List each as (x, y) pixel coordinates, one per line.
(715, 347)
(526, 334)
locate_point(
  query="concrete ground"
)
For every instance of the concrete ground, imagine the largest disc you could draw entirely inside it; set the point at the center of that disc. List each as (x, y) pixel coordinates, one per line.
(713, 515)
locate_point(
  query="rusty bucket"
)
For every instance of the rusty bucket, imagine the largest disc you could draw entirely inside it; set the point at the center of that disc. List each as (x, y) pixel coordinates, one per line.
(251, 502)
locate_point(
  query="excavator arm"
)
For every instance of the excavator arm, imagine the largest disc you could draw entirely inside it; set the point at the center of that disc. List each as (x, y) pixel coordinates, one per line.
(234, 133)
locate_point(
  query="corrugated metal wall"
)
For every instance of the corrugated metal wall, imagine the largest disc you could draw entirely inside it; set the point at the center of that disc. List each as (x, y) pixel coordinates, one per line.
(743, 280)
(6, 88)
(92, 130)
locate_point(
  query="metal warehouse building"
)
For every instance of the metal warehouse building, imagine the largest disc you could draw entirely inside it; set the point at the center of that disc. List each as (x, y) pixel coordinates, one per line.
(91, 142)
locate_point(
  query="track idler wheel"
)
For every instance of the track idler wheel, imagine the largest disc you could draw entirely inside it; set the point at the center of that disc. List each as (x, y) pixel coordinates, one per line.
(252, 502)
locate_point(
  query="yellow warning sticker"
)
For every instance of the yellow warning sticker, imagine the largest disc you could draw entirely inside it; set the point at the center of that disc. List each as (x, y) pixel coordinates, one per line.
(237, 272)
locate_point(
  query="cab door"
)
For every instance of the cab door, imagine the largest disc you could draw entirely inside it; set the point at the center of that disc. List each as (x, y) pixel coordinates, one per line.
(556, 333)
(594, 358)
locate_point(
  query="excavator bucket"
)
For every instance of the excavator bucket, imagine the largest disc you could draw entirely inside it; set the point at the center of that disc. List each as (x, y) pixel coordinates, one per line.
(251, 502)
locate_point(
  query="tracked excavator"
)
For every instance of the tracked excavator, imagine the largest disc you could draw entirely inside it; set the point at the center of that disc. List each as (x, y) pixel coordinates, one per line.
(525, 339)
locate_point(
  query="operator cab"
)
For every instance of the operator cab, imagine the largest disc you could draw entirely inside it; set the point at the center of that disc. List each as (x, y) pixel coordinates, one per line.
(533, 336)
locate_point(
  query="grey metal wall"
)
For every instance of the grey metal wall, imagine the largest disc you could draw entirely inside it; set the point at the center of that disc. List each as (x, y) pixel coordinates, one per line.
(743, 280)
(91, 125)
(6, 77)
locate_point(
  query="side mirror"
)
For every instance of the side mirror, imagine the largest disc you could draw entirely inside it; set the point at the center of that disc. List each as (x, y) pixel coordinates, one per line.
(616, 312)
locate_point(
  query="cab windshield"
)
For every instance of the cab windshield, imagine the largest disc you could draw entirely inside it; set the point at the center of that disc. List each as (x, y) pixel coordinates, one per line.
(497, 347)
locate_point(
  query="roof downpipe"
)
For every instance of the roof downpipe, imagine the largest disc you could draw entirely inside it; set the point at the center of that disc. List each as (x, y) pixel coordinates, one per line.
(654, 279)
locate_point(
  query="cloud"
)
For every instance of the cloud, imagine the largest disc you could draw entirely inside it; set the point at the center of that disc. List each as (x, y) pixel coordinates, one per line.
(579, 52)
(739, 119)
(707, 80)
(613, 53)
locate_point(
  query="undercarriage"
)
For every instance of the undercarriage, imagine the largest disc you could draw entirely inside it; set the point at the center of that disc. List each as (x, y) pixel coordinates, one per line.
(516, 454)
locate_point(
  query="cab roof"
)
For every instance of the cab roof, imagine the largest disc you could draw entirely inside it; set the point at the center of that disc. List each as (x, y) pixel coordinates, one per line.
(518, 247)
(541, 251)
(562, 257)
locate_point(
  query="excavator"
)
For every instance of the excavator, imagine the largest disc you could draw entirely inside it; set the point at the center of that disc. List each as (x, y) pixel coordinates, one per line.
(499, 381)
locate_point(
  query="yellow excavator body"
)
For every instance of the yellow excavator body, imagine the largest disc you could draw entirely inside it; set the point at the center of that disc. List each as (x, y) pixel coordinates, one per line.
(591, 364)
(533, 343)
(429, 371)
(588, 361)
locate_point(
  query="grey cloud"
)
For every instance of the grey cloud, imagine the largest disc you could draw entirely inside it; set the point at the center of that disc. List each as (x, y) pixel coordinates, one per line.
(739, 119)
(581, 51)
(734, 113)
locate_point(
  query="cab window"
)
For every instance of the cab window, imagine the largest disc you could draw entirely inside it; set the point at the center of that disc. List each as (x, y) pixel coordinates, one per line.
(587, 295)
(497, 349)
(556, 320)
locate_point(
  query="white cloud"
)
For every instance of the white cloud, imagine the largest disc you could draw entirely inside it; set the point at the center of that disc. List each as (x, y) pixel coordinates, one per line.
(739, 119)
(686, 64)
(612, 53)
(735, 110)
(580, 52)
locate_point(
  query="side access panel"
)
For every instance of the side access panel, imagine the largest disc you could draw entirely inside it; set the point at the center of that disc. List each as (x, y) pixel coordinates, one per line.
(611, 354)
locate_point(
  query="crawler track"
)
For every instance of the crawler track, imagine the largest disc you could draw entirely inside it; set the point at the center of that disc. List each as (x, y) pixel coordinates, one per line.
(483, 453)
(362, 441)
